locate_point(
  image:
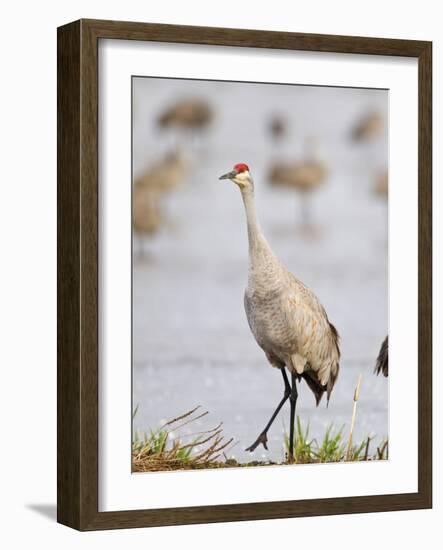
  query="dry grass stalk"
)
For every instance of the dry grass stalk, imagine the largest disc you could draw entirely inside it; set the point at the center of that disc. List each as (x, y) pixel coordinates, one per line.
(181, 417)
(152, 453)
(382, 450)
(368, 441)
(354, 414)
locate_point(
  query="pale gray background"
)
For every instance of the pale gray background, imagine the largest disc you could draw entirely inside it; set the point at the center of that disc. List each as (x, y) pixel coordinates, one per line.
(191, 342)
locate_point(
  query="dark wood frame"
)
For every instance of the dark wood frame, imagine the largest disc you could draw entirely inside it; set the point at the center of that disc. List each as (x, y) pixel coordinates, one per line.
(77, 456)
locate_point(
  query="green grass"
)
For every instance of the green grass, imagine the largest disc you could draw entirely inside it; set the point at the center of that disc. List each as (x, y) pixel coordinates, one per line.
(332, 448)
(164, 449)
(159, 449)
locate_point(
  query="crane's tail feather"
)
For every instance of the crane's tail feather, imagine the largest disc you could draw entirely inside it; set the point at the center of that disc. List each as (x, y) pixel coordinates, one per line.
(382, 364)
(315, 386)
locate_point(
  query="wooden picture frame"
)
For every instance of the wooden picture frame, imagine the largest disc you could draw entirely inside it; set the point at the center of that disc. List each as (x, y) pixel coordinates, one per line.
(77, 174)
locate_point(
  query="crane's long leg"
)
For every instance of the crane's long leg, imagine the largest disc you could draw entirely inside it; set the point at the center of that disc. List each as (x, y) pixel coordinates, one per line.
(263, 438)
(293, 401)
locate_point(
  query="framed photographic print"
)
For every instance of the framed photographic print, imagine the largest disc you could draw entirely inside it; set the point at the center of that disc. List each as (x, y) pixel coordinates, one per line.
(244, 274)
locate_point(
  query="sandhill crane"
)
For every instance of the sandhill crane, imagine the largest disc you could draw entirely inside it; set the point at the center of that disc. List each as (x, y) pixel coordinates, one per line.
(147, 214)
(285, 317)
(187, 115)
(149, 188)
(277, 127)
(166, 174)
(382, 364)
(368, 127)
(381, 184)
(304, 176)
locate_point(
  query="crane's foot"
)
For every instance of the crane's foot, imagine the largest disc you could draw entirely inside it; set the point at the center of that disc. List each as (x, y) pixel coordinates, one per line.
(261, 439)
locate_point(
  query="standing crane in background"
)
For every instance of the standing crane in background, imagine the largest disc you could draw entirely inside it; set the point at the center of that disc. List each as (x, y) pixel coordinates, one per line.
(192, 116)
(303, 176)
(149, 189)
(369, 127)
(166, 174)
(381, 185)
(277, 128)
(285, 317)
(147, 213)
(382, 364)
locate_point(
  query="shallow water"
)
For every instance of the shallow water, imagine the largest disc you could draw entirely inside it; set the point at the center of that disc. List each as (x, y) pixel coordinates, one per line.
(191, 342)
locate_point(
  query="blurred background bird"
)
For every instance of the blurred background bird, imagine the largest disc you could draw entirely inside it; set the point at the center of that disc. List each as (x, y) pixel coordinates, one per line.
(304, 176)
(156, 181)
(277, 127)
(166, 174)
(190, 118)
(381, 184)
(369, 127)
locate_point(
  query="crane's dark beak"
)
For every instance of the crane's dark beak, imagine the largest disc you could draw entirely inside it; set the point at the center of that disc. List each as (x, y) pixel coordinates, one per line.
(229, 175)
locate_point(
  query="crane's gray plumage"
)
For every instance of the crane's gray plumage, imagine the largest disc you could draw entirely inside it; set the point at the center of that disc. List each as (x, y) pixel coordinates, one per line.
(382, 364)
(289, 323)
(286, 318)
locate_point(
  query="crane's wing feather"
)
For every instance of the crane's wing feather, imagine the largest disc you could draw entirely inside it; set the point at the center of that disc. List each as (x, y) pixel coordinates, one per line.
(318, 352)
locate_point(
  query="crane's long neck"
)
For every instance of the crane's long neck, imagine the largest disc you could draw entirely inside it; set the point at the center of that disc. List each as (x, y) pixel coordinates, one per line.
(255, 235)
(261, 258)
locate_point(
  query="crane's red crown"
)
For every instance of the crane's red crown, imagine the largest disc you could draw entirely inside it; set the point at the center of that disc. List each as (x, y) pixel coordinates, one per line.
(241, 167)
